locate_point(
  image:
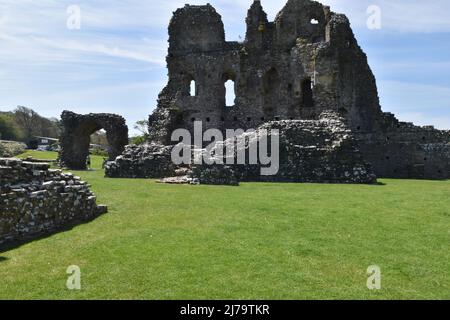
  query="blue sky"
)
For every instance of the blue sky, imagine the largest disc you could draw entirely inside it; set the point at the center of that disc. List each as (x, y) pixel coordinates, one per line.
(115, 62)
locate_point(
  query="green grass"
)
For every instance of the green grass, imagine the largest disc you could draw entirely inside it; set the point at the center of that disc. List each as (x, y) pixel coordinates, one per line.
(256, 241)
(41, 155)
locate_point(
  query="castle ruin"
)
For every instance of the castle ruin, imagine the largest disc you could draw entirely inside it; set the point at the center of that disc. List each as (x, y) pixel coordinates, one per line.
(288, 72)
(77, 130)
(37, 201)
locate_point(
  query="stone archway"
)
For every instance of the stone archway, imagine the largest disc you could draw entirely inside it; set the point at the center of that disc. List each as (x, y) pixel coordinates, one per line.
(76, 132)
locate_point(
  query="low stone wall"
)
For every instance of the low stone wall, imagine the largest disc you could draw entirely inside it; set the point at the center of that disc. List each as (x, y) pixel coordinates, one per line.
(146, 161)
(35, 200)
(316, 151)
(323, 151)
(405, 151)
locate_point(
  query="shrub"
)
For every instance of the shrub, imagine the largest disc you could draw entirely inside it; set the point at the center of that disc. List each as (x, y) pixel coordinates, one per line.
(9, 130)
(11, 149)
(139, 140)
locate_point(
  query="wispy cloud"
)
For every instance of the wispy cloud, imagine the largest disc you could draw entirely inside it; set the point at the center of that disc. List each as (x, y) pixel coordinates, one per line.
(116, 62)
(408, 16)
(98, 48)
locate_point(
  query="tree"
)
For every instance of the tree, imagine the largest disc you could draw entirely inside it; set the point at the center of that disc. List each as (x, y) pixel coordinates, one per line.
(32, 124)
(142, 127)
(49, 128)
(9, 129)
(28, 120)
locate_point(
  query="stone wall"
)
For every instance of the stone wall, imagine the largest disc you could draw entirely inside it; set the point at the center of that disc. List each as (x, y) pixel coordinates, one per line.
(403, 150)
(146, 161)
(318, 151)
(305, 62)
(322, 150)
(35, 200)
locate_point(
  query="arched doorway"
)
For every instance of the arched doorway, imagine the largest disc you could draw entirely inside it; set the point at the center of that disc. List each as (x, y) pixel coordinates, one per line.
(77, 130)
(229, 89)
(230, 93)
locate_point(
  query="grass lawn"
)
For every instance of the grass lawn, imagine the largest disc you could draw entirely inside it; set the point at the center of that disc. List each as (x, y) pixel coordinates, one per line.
(256, 241)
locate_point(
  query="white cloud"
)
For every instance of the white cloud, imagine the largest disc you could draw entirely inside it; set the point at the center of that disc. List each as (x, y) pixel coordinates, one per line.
(98, 48)
(107, 25)
(36, 48)
(412, 16)
(40, 27)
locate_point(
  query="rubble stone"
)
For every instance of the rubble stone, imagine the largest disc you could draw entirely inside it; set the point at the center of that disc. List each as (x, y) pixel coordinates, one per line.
(146, 161)
(35, 200)
(323, 150)
(288, 72)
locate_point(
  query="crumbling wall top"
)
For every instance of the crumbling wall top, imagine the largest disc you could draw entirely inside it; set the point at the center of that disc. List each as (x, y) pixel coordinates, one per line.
(196, 28)
(303, 19)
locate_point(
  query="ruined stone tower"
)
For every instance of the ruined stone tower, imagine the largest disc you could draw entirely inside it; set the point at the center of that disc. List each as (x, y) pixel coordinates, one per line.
(304, 64)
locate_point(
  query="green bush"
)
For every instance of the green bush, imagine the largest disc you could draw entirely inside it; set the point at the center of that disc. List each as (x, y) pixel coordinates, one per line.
(9, 130)
(139, 140)
(11, 149)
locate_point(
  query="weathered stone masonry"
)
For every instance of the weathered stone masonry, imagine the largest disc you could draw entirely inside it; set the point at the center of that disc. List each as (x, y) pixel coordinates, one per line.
(322, 150)
(289, 69)
(35, 200)
(77, 129)
(304, 63)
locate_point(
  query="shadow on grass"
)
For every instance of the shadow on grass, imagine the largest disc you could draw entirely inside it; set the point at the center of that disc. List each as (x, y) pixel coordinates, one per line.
(325, 183)
(15, 244)
(417, 179)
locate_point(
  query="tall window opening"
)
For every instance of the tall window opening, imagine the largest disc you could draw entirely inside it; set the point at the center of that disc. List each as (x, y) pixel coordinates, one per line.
(271, 92)
(230, 93)
(307, 93)
(193, 89)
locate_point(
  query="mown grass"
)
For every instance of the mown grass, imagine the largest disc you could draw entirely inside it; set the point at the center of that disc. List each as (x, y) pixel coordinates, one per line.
(256, 241)
(39, 155)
